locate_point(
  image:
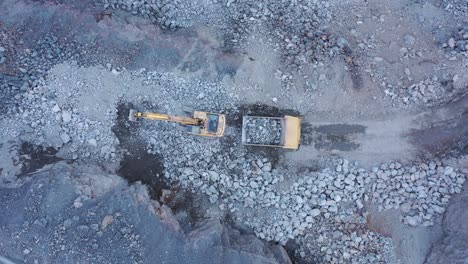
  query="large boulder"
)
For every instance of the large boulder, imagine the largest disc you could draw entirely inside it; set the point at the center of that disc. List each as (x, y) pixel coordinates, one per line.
(452, 248)
(78, 214)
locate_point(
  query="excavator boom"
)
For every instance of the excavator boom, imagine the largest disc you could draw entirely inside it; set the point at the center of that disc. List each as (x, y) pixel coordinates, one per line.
(134, 115)
(201, 123)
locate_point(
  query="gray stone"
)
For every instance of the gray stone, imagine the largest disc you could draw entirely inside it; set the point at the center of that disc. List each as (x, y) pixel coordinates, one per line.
(66, 116)
(337, 184)
(266, 167)
(299, 200)
(413, 220)
(65, 138)
(359, 204)
(338, 168)
(451, 42)
(92, 142)
(448, 170)
(56, 109)
(67, 223)
(314, 212)
(409, 39)
(333, 209)
(214, 176)
(82, 230)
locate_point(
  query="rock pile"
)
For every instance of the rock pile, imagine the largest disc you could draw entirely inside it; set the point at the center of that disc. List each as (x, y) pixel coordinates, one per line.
(31, 66)
(294, 25)
(426, 92)
(159, 12)
(422, 91)
(333, 196)
(420, 192)
(343, 240)
(458, 43)
(263, 131)
(255, 188)
(50, 114)
(457, 8)
(175, 91)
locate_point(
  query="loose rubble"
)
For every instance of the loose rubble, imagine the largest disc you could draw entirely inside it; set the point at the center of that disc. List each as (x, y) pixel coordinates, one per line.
(294, 24)
(54, 120)
(427, 92)
(163, 13)
(32, 66)
(457, 45)
(262, 131)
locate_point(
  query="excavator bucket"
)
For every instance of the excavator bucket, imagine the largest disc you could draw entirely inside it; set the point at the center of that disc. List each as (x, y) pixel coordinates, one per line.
(131, 115)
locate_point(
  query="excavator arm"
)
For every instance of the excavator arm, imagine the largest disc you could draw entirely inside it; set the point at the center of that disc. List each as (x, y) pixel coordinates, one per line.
(135, 115)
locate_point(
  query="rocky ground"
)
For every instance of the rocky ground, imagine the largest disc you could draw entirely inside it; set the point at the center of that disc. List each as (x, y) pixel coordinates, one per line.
(379, 177)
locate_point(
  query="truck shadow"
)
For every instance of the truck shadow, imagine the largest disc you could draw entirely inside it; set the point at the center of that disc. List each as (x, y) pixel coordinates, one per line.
(445, 131)
(323, 137)
(331, 137)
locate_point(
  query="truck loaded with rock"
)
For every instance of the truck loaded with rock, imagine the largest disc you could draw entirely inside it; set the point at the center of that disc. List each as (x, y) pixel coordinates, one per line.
(323, 131)
(284, 132)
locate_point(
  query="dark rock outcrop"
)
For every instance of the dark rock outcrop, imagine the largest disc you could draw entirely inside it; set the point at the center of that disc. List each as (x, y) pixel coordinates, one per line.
(453, 247)
(71, 214)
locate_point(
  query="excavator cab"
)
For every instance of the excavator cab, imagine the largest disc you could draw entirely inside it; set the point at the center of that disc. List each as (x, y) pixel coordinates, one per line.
(213, 122)
(200, 124)
(211, 125)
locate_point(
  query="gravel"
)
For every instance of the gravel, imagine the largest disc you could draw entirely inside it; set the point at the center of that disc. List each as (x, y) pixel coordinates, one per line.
(457, 44)
(31, 66)
(56, 119)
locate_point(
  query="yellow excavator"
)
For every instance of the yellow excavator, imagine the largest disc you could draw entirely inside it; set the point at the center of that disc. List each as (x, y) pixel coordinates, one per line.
(201, 123)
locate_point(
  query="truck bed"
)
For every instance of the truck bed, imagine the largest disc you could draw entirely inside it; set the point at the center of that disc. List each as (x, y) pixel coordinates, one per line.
(281, 132)
(261, 130)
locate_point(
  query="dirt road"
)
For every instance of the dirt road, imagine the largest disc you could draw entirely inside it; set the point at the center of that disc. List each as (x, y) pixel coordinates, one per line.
(431, 133)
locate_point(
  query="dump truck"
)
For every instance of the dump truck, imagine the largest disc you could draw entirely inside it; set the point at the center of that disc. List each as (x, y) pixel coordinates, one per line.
(281, 132)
